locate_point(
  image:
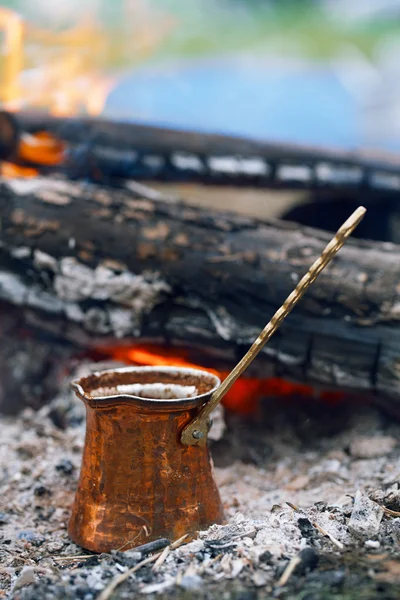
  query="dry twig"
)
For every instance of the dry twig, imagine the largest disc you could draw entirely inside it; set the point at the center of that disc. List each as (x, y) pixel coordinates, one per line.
(74, 557)
(390, 512)
(106, 593)
(325, 533)
(161, 558)
(295, 508)
(337, 543)
(143, 528)
(284, 578)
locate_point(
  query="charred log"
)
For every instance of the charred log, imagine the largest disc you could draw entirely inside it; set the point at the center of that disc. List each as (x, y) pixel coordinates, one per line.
(91, 266)
(381, 222)
(32, 363)
(104, 151)
(9, 135)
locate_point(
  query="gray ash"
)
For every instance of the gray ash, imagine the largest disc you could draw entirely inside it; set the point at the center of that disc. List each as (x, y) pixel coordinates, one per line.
(327, 478)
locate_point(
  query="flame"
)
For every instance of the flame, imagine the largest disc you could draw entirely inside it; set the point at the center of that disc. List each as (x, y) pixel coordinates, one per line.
(68, 72)
(68, 80)
(243, 397)
(12, 26)
(245, 394)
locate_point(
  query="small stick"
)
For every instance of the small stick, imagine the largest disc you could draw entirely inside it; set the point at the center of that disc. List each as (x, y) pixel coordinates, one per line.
(146, 531)
(147, 192)
(212, 561)
(161, 558)
(337, 543)
(106, 593)
(247, 533)
(389, 511)
(287, 573)
(75, 557)
(293, 506)
(195, 433)
(154, 546)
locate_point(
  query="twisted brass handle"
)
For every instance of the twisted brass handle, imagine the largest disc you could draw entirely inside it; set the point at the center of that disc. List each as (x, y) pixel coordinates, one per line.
(195, 433)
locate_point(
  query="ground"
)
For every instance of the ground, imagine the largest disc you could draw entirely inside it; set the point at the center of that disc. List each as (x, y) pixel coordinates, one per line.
(310, 492)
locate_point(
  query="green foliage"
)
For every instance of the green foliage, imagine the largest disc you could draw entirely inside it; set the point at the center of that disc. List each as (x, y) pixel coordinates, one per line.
(293, 28)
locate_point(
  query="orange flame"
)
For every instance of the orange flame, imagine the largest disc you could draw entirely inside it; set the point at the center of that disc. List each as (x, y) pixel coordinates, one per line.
(69, 70)
(242, 398)
(67, 82)
(12, 27)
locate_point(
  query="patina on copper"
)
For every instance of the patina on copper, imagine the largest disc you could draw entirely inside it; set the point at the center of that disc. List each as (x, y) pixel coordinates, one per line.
(138, 482)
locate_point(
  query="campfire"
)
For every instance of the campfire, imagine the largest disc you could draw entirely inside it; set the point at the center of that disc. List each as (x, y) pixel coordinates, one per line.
(104, 263)
(288, 479)
(110, 268)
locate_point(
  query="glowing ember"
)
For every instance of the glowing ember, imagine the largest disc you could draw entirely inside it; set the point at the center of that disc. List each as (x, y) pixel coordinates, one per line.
(242, 398)
(8, 169)
(28, 150)
(41, 149)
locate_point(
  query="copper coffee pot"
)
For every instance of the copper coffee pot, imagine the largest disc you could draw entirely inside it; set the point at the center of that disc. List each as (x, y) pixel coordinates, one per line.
(146, 470)
(138, 482)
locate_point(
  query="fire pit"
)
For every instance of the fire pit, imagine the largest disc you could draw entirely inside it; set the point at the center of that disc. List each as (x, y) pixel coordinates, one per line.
(111, 267)
(310, 493)
(96, 266)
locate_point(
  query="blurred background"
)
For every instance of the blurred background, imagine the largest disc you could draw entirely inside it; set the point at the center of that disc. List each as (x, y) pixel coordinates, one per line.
(322, 72)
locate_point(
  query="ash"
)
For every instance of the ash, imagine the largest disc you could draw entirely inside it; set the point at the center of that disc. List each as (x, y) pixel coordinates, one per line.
(311, 494)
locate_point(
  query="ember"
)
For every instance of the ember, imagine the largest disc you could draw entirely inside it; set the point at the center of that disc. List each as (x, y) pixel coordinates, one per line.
(8, 169)
(42, 148)
(27, 150)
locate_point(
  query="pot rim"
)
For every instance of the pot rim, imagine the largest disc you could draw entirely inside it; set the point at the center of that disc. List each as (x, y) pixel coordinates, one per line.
(154, 403)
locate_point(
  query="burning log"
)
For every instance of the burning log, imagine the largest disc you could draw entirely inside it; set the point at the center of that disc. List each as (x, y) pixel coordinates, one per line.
(107, 150)
(94, 267)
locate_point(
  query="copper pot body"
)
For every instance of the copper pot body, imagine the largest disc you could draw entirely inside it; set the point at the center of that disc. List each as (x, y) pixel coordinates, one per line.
(138, 482)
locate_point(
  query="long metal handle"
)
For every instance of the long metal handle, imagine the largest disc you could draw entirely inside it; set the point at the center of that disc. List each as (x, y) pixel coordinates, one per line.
(195, 433)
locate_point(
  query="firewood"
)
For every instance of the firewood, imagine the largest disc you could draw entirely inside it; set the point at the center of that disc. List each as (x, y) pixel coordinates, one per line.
(105, 150)
(92, 265)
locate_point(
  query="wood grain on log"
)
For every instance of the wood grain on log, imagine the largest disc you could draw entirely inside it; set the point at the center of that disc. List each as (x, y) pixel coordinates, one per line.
(92, 265)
